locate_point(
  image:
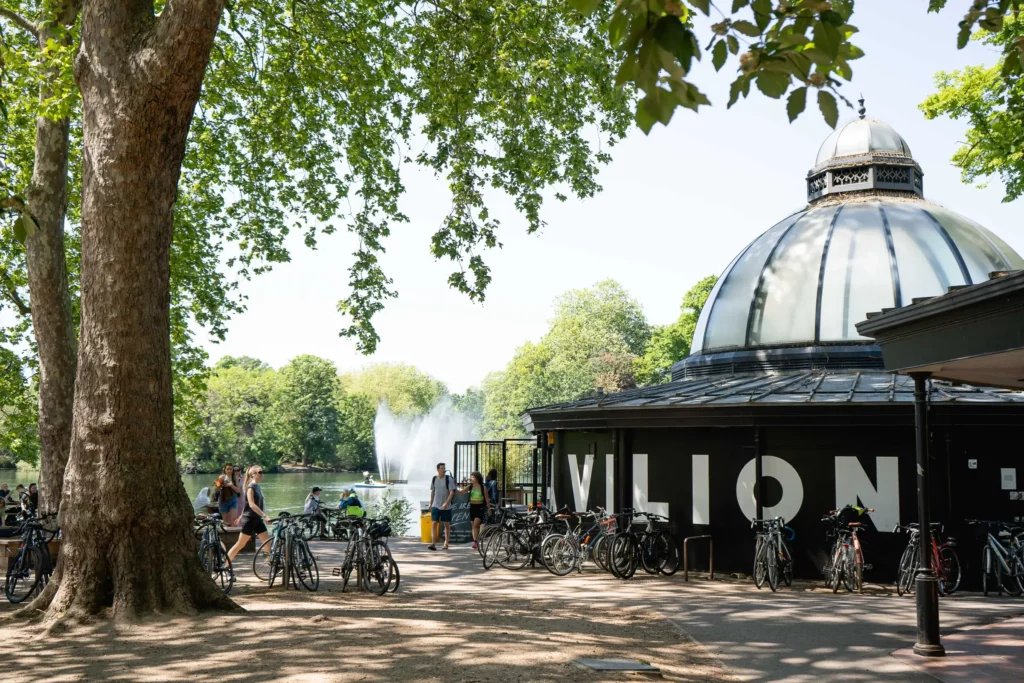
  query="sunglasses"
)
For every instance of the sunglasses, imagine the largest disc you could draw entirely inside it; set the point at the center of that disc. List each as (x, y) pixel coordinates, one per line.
(258, 472)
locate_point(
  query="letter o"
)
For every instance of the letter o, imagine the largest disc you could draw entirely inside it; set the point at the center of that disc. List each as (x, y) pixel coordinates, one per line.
(781, 471)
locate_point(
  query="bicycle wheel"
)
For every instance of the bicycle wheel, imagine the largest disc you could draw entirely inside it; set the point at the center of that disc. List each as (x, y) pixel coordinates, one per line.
(771, 557)
(906, 561)
(601, 551)
(216, 563)
(648, 552)
(485, 536)
(1013, 583)
(987, 570)
(787, 565)
(377, 569)
(266, 557)
(622, 556)
(949, 575)
(562, 555)
(760, 568)
(850, 569)
(304, 564)
(515, 550)
(491, 551)
(396, 576)
(23, 575)
(838, 564)
(673, 558)
(547, 546)
(346, 574)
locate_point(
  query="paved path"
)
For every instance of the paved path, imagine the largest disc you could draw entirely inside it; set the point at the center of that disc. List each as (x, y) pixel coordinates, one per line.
(804, 634)
(793, 636)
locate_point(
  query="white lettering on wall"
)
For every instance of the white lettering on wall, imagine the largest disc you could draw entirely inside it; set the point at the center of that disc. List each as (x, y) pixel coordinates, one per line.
(701, 490)
(581, 487)
(853, 485)
(609, 482)
(781, 471)
(640, 489)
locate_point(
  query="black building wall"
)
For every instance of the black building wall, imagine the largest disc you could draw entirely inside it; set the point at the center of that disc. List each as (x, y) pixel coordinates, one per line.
(958, 492)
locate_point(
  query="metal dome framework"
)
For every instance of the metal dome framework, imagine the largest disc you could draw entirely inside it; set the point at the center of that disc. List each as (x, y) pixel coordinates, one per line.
(792, 297)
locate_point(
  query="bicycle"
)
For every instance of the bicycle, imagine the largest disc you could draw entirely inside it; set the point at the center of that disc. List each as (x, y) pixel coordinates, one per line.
(944, 559)
(845, 562)
(286, 545)
(653, 549)
(562, 553)
(369, 555)
(1005, 564)
(772, 558)
(31, 569)
(212, 553)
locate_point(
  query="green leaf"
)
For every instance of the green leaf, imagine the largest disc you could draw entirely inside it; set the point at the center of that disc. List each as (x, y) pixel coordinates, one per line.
(737, 5)
(746, 28)
(703, 5)
(24, 227)
(644, 119)
(674, 37)
(796, 103)
(1011, 63)
(618, 27)
(964, 36)
(772, 84)
(833, 18)
(585, 7)
(829, 108)
(828, 38)
(719, 55)
(762, 13)
(936, 5)
(741, 84)
(734, 45)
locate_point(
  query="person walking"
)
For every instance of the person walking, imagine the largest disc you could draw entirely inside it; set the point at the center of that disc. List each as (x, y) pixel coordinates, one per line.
(255, 517)
(479, 502)
(227, 500)
(491, 483)
(442, 490)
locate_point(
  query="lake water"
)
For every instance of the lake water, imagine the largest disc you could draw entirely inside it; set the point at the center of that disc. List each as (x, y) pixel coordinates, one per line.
(286, 491)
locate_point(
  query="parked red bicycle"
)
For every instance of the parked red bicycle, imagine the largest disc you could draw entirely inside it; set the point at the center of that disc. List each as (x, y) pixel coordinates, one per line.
(944, 559)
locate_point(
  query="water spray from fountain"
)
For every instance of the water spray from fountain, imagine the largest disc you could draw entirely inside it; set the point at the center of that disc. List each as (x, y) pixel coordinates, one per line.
(408, 448)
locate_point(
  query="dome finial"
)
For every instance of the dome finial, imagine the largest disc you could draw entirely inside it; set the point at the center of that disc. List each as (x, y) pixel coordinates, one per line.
(862, 111)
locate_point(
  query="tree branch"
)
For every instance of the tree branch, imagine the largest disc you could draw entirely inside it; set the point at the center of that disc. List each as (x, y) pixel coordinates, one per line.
(20, 21)
(12, 292)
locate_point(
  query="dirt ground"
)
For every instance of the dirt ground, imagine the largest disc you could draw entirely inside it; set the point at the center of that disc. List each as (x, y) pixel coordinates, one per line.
(450, 622)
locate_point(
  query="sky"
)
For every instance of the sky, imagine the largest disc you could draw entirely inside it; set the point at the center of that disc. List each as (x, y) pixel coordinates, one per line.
(676, 205)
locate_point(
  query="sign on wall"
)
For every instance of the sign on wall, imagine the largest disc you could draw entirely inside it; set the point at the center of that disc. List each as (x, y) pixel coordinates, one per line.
(1009, 478)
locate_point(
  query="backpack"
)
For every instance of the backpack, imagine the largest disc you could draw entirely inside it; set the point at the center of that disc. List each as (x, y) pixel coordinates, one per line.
(447, 488)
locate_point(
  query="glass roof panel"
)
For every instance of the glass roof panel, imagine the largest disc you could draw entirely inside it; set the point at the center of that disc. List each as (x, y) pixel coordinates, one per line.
(858, 274)
(854, 139)
(784, 310)
(927, 266)
(979, 253)
(702, 321)
(727, 322)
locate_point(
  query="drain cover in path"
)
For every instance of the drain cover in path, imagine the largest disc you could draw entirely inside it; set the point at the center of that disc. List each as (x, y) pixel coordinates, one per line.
(616, 665)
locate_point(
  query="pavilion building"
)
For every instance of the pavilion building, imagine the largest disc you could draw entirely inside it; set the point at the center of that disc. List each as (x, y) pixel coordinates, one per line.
(780, 383)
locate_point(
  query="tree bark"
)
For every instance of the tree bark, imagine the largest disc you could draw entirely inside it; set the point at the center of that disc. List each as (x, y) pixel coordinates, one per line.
(51, 301)
(128, 543)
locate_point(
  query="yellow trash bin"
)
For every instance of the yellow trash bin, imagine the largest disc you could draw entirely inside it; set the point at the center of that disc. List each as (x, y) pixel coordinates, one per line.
(425, 528)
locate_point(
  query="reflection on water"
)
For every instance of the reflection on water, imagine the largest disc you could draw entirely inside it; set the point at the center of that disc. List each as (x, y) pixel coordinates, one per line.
(285, 491)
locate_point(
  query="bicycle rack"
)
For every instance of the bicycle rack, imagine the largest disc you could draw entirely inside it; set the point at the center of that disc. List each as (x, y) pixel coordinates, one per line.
(686, 556)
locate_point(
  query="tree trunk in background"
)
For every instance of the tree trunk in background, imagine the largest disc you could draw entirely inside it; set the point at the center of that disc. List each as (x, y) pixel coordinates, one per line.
(140, 77)
(51, 302)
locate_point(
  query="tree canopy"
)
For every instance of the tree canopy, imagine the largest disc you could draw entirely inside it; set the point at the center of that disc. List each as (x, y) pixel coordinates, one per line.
(991, 100)
(405, 389)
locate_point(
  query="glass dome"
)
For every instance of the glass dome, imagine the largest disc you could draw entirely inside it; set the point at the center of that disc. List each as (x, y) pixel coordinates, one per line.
(857, 248)
(862, 137)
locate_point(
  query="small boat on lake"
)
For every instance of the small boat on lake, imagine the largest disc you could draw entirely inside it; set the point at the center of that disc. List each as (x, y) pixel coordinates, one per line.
(369, 483)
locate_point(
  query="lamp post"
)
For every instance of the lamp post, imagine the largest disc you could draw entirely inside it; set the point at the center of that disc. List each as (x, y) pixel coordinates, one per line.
(926, 582)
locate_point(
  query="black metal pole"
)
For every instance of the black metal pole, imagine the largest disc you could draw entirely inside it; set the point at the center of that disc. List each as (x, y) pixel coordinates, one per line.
(504, 472)
(758, 472)
(926, 583)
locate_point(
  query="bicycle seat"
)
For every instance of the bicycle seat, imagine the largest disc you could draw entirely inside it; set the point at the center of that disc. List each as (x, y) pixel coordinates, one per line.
(853, 524)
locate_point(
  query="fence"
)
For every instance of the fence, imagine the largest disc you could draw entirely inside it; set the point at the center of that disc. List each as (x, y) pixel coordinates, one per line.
(515, 459)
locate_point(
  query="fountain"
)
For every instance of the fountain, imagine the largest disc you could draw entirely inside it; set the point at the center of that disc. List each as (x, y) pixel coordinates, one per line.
(408, 448)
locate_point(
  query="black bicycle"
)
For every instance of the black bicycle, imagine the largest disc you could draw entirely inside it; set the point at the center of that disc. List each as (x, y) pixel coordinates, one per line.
(772, 559)
(30, 570)
(653, 548)
(212, 553)
(370, 557)
(287, 546)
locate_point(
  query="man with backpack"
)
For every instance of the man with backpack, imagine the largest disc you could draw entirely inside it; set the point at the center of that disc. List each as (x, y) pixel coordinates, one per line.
(442, 490)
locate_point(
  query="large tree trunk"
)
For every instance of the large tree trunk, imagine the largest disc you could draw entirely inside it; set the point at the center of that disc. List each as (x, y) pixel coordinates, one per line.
(51, 302)
(128, 542)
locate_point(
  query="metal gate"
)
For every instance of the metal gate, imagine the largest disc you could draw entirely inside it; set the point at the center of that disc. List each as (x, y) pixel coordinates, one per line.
(515, 460)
